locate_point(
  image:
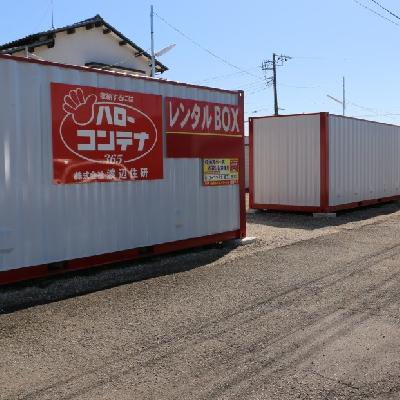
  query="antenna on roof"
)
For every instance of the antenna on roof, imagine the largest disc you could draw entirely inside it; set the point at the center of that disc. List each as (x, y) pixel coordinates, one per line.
(164, 50)
(52, 14)
(153, 59)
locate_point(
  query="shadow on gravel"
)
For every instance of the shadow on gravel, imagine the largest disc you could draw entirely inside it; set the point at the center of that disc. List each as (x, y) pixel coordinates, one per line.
(71, 284)
(280, 219)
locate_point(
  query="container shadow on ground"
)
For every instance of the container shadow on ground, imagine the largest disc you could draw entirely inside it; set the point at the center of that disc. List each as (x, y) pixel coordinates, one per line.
(306, 221)
(22, 295)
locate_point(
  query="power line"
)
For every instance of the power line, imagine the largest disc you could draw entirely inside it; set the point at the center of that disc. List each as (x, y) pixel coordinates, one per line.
(362, 107)
(298, 87)
(256, 111)
(256, 91)
(250, 84)
(213, 78)
(204, 48)
(383, 8)
(42, 17)
(378, 115)
(374, 112)
(256, 84)
(375, 12)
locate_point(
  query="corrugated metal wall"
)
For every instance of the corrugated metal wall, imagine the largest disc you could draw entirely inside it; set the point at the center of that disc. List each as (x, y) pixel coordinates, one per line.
(42, 223)
(364, 162)
(286, 160)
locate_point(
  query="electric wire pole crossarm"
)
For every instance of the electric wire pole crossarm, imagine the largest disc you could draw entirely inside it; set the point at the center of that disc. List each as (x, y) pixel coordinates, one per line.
(270, 65)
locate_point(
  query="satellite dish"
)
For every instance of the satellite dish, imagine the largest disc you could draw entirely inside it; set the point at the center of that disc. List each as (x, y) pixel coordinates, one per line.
(164, 50)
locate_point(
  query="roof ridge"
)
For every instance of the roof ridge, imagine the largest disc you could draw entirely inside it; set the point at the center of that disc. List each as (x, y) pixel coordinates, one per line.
(30, 39)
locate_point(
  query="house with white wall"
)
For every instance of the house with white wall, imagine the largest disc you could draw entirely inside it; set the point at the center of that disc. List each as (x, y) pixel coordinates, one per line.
(92, 42)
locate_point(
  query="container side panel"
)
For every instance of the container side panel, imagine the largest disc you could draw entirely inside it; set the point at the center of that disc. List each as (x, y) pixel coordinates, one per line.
(363, 160)
(287, 160)
(42, 223)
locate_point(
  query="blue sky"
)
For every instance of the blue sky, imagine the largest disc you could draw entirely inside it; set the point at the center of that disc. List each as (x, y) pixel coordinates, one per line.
(326, 38)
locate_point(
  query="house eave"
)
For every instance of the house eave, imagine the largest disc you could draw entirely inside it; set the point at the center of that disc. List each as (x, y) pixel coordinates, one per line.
(43, 39)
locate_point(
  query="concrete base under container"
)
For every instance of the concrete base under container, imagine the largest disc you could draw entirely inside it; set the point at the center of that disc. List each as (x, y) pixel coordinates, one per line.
(324, 215)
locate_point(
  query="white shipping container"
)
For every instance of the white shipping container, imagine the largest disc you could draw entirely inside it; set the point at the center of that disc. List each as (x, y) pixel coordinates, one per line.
(322, 162)
(42, 223)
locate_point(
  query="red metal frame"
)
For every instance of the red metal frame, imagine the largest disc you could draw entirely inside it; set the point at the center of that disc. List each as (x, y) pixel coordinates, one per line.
(324, 174)
(39, 271)
(324, 161)
(363, 203)
(242, 182)
(284, 115)
(251, 165)
(324, 166)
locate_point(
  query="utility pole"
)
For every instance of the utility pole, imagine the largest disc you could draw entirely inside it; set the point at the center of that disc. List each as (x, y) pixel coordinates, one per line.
(276, 108)
(153, 58)
(268, 65)
(344, 97)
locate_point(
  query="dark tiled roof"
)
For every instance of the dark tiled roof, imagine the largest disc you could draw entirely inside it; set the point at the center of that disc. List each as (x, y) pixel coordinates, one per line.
(42, 38)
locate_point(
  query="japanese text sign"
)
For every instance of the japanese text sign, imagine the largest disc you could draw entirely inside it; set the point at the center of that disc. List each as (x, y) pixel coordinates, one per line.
(105, 135)
(191, 116)
(220, 171)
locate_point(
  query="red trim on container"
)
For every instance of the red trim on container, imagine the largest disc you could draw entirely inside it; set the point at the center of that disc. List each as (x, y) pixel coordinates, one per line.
(251, 164)
(324, 161)
(285, 115)
(365, 120)
(286, 207)
(203, 146)
(242, 174)
(121, 74)
(312, 209)
(363, 203)
(20, 274)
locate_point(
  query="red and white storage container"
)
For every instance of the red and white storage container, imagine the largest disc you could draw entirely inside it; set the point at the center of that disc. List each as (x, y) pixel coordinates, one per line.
(322, 162)
(100, 166)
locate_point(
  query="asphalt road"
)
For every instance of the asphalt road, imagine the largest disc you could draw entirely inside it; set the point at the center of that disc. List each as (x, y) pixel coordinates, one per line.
(316, 318)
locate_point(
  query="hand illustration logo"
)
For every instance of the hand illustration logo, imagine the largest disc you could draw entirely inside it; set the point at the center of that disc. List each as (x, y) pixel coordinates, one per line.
(80, 107)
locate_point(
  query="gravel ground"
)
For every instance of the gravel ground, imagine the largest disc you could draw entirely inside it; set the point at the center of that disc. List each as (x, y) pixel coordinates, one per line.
(310, 310)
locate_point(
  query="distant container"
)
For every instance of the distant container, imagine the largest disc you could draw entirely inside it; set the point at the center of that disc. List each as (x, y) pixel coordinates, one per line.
(98, 167)
(322, 162)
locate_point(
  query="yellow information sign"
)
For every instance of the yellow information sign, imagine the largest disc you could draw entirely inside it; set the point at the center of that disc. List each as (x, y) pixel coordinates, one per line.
(220, 171)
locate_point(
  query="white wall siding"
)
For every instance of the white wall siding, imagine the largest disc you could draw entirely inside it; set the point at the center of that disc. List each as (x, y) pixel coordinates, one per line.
(286, 159)
(364, 162)
(41, 222)
(92, 45)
